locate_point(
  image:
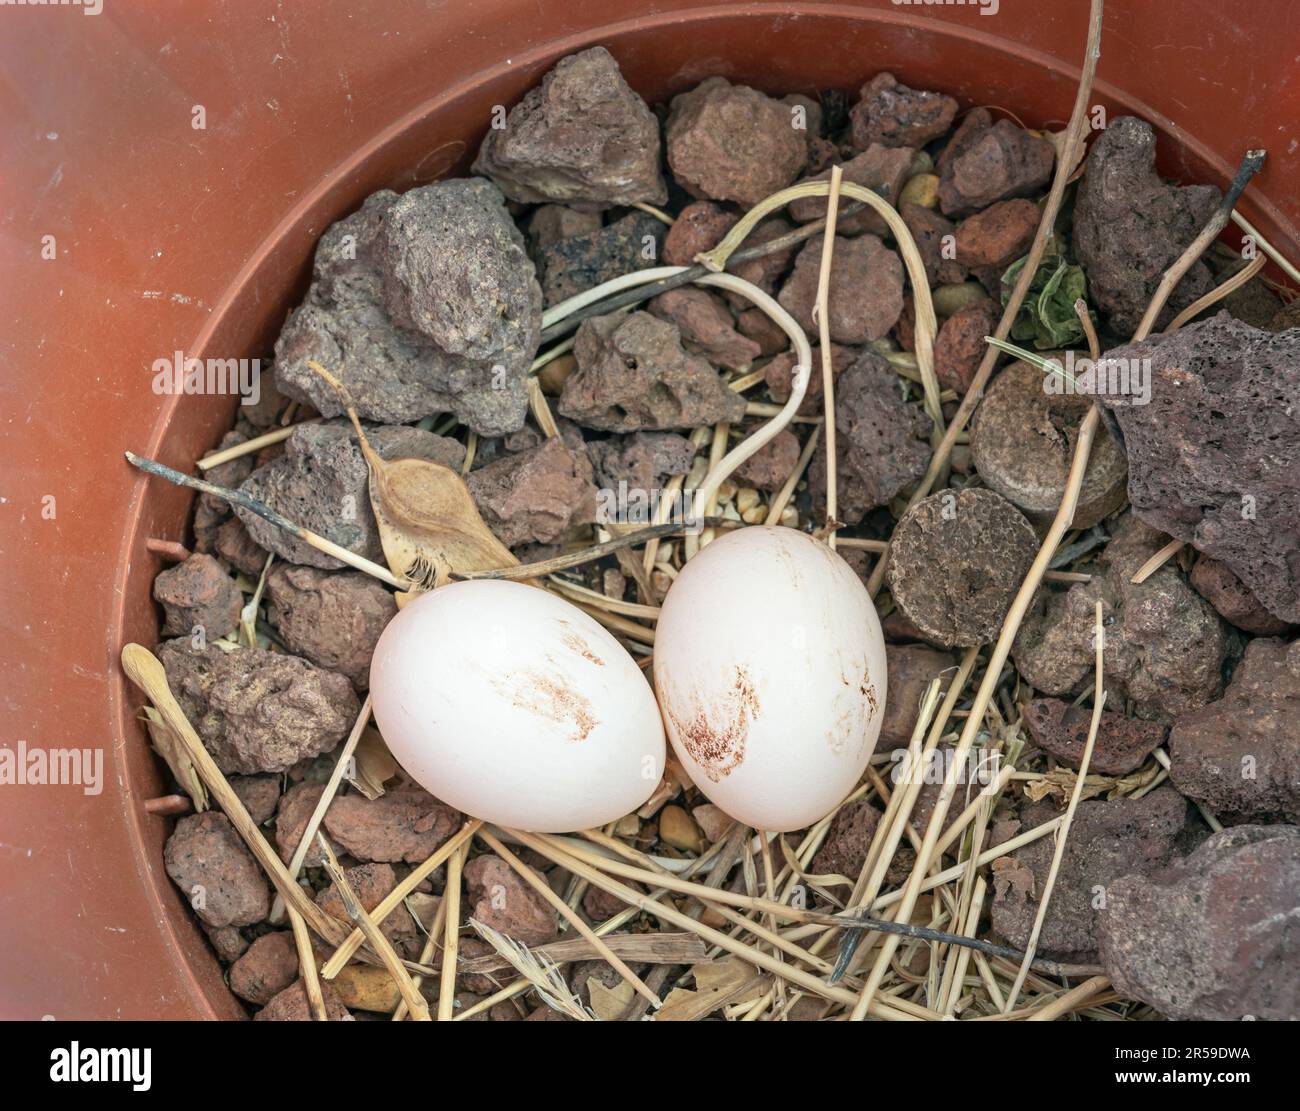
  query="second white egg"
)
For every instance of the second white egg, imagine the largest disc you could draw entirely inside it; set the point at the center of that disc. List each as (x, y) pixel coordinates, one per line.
(769, 668)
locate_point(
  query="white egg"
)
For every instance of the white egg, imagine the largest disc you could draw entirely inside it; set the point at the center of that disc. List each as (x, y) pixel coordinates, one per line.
(770, 671)
(516, 707)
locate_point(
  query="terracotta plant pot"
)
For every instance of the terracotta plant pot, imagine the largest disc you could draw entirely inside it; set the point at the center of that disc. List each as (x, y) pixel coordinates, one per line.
(168, 237)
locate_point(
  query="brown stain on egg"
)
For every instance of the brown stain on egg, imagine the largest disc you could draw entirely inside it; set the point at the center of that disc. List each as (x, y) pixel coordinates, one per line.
(575, 643)
(550, 699)
(868, 691)
(714, 736)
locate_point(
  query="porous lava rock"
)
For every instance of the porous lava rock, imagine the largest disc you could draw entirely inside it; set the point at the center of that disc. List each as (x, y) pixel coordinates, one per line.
(581, 137)
(1213, 453)
(425, 303)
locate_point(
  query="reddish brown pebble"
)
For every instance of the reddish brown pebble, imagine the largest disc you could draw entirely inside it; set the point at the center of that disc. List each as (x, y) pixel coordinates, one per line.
(893, 114)
(866, 290)
(995, 164)
(291, 1005)
(233, 544)
(769, 467)
(911, 669)
(957, 560)
(1240, 756)
(198, 594)
(936, 240)
(1023, 439)
(260, 794)
(296, 806)
(732, 143)
(707, 326)
(405, 824)
(997, 236)
(1214, 581)
(332, 618)
(879, 168)
(371, 883)
(506, 903)
(268, 967)
(779, 373)
(959, 348)
(535, 496)
(217, 874)
(1121, 746)
(699, 227)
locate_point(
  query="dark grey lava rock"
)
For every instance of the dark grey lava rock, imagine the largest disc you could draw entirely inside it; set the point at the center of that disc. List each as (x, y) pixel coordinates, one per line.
(423, 303)
(258, 711)
(581, 262)
(1215, 937)
(1164, 644)
(634, 374)
(1214, 456)
(321, 482)
(644, 460)
(1240, 756)
(1129, 226)
(582, 138)
(1108, 840)
(881, 444)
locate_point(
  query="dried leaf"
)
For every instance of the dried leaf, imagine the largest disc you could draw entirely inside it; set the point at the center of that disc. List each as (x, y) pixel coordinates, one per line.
(170, 748)
(718, 984)
(609, 1004)
(428, 523)
(1057, 139)
(1059, 785)
(372, 764)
